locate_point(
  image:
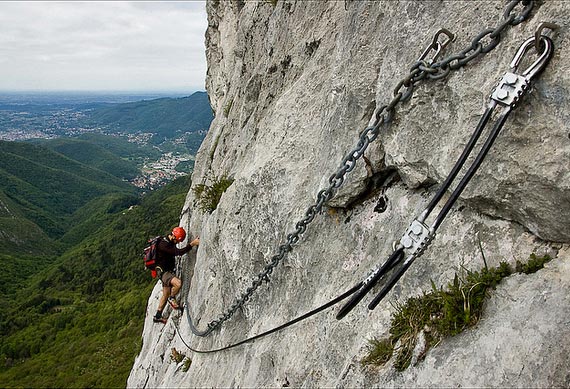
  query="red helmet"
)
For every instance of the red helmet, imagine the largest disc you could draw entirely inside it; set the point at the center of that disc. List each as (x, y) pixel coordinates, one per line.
(179, 233)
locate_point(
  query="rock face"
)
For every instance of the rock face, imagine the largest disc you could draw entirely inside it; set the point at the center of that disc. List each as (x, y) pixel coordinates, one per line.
(292, 86)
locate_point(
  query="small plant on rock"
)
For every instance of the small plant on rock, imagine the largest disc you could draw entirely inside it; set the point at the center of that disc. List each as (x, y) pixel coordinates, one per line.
(440, 313)
(176, 356)
(208, 196)
(379, 352)
(533, 265)
(187, 364)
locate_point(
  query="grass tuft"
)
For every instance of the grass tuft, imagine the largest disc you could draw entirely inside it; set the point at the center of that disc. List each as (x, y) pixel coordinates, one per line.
(379, 352)
(441, 313)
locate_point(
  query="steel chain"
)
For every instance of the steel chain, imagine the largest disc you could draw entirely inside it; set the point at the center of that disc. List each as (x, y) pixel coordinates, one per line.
(419, 71)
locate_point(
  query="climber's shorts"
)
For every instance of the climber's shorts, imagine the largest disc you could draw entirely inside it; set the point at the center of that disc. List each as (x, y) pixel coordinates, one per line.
(166, 277)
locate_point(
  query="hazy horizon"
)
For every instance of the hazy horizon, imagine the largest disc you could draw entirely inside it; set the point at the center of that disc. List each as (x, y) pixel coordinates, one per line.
(78, 97)
(95, 92)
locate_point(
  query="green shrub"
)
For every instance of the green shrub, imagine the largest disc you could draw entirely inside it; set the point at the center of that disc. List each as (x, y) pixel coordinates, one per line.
(208, 196)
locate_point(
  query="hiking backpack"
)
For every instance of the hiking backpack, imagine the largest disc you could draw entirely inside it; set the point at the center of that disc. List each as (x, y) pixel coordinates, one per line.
(149, 256)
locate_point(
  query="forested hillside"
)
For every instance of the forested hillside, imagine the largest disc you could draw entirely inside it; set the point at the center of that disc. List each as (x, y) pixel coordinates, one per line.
(78, 323)
(43, 187)
(96, 156)
(119, 146)
(165, 117)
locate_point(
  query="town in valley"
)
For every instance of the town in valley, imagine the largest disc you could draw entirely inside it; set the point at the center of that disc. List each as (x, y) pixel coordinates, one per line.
(172, 154)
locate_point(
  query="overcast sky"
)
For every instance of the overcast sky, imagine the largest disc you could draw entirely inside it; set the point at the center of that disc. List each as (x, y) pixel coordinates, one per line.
(102, 46)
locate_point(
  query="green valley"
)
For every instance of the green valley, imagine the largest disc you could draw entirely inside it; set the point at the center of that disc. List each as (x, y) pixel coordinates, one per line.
(83, 186)
(45, 187)
(78, 322)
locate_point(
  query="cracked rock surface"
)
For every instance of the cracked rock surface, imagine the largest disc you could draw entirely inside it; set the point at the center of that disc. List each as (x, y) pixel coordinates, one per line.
(292, 86)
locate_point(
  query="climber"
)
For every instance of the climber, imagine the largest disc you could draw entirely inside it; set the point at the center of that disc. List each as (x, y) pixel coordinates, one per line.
(166, 263)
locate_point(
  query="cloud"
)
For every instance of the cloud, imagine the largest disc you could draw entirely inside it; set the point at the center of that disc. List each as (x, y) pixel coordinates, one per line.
(102, 45)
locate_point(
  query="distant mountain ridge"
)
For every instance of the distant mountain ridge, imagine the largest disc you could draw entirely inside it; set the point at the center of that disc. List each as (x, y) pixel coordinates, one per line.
(164, 116)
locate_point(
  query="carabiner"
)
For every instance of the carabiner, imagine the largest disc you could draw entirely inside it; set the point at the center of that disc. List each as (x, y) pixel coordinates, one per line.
(540, 63)
(437, 45)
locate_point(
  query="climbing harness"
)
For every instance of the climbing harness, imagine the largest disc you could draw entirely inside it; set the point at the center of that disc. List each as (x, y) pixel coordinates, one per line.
(424, 68)
(512, 87)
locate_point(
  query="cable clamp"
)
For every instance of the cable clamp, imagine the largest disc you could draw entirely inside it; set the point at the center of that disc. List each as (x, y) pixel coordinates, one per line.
(417, 238)
(510, 89)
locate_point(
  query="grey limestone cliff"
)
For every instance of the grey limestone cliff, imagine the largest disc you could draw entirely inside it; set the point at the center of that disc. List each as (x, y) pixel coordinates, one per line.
(292, 85)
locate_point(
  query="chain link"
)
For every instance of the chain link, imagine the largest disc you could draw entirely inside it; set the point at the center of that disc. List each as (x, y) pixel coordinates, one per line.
(420, 71)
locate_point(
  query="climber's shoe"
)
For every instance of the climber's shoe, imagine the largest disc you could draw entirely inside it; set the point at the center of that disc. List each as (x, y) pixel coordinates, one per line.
(173, 303)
